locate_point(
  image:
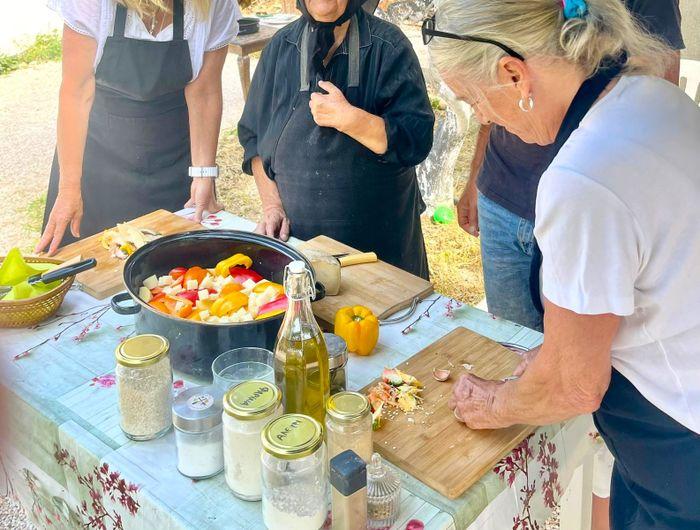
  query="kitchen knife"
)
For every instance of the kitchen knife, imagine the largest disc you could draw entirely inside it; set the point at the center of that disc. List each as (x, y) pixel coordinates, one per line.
(64, 271)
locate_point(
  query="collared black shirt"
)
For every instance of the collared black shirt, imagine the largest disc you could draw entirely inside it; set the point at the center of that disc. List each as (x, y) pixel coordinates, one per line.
(391, 86)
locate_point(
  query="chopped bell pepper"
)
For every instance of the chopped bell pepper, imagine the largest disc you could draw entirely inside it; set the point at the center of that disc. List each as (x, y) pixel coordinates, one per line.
(230, 288)
(192, 295)
(241, 275)
(159, 305)
(274, 308)
(237, 260)
(226, 305)
(177, 272)
(359, 327)
(194, 273)
(263, 286)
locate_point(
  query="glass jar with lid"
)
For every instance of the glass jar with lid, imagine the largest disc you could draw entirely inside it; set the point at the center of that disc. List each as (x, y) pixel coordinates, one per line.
(144, 385)
(349, 424)
(295, 474)
(248, 407)
(337, 362)
(198, 432)
(383, 494)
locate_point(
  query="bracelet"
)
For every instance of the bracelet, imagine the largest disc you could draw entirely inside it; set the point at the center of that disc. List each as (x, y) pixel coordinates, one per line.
(204, 172)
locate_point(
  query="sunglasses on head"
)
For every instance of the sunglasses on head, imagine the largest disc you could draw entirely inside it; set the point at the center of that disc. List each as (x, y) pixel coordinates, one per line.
(428, 31)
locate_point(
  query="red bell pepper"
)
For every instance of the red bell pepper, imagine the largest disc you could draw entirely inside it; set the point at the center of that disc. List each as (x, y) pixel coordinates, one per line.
(191, 295)
(273, 308)
(241, 275)
(178, 272)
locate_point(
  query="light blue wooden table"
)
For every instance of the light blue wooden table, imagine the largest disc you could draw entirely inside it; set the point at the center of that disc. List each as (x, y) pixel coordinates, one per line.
(71, 466)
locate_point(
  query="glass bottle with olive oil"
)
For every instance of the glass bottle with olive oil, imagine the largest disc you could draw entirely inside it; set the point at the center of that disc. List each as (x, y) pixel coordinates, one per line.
(301, 356)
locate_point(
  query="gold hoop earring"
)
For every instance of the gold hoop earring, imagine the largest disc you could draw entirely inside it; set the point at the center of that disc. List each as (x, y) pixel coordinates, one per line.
(530, 104)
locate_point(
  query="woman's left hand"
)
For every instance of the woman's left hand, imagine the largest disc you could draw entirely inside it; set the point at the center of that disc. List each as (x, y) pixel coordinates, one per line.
(331, 109)
(203, 197)
(472, 402)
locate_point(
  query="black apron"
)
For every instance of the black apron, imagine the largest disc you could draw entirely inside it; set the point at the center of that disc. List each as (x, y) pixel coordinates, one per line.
(137, 150)
(656, 476)
(331, 184)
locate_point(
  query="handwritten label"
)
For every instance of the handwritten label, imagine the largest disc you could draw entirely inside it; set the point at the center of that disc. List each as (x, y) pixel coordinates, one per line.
(200, 402)
(261, 391)
(288, 430)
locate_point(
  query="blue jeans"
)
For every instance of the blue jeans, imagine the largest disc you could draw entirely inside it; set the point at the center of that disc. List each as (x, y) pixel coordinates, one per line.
(506, 255)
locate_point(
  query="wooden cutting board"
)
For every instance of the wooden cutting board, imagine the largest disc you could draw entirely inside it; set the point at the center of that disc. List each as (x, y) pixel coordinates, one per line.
(106, 279)
(431, 444)
(381, 287)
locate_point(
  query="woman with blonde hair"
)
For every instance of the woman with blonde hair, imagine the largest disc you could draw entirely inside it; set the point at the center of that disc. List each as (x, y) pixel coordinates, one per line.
(139, 110)
(618, 225)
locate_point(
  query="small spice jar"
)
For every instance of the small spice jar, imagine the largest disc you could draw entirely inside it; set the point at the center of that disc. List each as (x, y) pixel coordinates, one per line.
(248, 407)
(349, 496)
(383, 495)
(144, 384)
(349, 424)
(337, 361)
(295, 473)
(198, 432)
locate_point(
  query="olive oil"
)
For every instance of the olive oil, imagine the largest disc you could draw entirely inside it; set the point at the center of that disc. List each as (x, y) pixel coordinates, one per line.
(301, 356)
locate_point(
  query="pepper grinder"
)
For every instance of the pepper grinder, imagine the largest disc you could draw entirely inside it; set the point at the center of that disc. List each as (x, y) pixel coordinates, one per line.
(349, 481)
(383, 494)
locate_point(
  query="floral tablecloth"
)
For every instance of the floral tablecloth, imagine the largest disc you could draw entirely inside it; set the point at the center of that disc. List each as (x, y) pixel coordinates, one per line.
(72, 467)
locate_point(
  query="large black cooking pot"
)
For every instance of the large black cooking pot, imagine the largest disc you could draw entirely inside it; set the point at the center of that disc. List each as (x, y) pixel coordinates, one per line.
(194, 345)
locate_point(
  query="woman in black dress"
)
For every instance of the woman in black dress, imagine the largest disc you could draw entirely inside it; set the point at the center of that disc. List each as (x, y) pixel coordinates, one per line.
(337, 119)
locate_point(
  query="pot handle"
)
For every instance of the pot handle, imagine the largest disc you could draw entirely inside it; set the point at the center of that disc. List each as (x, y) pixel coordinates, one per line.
(320, 292)
(120, 309)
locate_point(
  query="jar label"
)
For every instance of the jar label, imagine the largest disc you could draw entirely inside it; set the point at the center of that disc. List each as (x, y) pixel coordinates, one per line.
(200, 401)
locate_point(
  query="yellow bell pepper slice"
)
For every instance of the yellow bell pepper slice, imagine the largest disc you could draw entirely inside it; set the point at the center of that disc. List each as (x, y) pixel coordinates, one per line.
(222, 268)
(359, 327)
(226, 305)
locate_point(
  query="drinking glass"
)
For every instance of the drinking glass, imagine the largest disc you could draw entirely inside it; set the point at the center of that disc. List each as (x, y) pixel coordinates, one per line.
(242, 364)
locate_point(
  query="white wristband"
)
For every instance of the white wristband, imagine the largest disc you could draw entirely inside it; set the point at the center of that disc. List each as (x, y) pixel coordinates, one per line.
(205, 172)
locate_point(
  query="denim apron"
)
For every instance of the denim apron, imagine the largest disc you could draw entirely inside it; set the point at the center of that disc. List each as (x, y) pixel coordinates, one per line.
(331, 184)
(137, 150)
(656, 477)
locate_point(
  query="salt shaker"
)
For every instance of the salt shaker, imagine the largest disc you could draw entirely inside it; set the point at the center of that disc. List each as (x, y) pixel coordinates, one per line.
(383, 494)
(349, 501)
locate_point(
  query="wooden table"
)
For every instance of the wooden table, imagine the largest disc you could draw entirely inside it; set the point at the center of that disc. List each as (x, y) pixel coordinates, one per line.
(244, 45)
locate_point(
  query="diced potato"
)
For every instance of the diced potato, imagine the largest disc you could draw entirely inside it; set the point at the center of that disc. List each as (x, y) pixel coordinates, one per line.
(163, 280)
(175, 289)
(145, 294)
(204, 315)
(151, 282)
(191, 285)
(225, 320)
(212, 318)
(224, 281)
(167, 290)
(178, 306)
(207, 282)
(203, 294)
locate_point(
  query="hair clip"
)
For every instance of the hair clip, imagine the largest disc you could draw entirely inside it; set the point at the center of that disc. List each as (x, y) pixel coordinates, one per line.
(574, 8)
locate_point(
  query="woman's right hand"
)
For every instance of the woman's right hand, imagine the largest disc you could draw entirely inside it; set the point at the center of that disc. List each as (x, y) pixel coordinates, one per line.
(467, 209)
(274, 222)
(67, 210)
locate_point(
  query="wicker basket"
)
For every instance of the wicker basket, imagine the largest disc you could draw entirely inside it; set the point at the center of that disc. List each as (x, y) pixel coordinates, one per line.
(26, 313)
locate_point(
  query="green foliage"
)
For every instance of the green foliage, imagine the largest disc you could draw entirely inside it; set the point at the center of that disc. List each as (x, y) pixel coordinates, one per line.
(46, 47)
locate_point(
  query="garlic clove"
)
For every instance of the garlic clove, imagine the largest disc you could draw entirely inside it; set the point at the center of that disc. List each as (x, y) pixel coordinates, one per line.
(441, 374)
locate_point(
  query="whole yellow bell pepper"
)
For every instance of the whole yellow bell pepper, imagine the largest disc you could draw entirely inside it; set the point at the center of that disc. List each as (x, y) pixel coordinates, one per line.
(222, 268)
(359, 327)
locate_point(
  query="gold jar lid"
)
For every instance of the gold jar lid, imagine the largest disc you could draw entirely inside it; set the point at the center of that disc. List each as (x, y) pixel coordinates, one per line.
(292, 436)
(142, 350)
(347, 406)
(252, 400)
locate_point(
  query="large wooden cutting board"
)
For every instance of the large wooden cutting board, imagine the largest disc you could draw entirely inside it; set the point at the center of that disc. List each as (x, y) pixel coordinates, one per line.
(106, 279)
(381, 287)
(431, 444)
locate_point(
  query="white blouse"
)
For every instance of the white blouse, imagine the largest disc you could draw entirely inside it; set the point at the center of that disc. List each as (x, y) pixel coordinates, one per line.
(95, 18)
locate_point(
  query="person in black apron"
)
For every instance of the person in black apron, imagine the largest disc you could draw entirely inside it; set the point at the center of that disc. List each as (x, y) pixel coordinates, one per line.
(315, 179)
(137, 150)
(656, 476)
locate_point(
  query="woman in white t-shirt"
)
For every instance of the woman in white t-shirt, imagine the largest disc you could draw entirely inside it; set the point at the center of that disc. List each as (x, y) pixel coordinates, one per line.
(618, 223)
(139, 111)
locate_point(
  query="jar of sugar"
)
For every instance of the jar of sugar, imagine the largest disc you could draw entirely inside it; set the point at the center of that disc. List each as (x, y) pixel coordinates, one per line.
(248, 407)
(198, 432)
